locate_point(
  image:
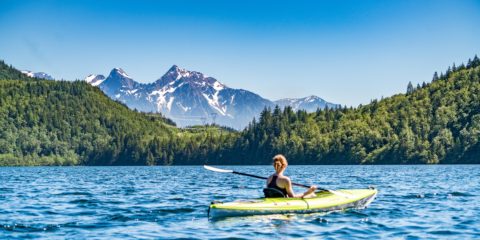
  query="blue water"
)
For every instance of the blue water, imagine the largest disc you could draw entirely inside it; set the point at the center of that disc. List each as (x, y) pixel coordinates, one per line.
(171, 202)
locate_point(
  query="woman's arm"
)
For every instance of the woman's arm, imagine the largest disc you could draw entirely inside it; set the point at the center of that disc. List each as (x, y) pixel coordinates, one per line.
(301, 195)
(290, 191)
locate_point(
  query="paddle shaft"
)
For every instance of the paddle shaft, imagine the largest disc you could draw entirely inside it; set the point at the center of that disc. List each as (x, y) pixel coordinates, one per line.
(255, 176)
(259, 177)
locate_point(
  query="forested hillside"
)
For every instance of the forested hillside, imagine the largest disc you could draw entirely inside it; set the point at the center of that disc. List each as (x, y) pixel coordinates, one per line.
(9, 72)
(44, 122)
(437, 122)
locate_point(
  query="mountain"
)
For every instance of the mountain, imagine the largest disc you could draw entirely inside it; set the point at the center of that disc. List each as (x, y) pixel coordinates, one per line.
(309, 104)
(94, 79)
(192, 98)
(41, 75)
(45, 122)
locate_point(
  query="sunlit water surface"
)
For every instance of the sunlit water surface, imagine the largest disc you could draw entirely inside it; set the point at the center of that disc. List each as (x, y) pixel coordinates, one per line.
(414, 202)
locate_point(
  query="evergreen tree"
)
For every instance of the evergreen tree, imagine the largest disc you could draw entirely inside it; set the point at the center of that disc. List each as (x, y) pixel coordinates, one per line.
(435, 77)
(410, 88)
(475, 61)
(469, 63)
(448, 72)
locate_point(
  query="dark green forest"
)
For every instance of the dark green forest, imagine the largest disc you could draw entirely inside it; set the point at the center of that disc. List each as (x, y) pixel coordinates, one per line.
(432, 123)
(46, 122)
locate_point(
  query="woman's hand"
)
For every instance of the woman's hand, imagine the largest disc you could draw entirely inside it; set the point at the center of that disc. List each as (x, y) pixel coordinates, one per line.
(309, 191)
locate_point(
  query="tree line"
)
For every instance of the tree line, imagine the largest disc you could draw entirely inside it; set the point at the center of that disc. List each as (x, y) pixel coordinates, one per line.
(433, 123)
(44, 122)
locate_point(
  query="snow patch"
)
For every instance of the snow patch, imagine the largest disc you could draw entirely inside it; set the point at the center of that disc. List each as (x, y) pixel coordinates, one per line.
(94, 79)
(122, 72)
(162, 98)
(310, 99)
(218, 86)
(185, 109)
(96, 83)
(131, 92)
(28, 73)
(90, 78)
(213, 102)
(169, 104)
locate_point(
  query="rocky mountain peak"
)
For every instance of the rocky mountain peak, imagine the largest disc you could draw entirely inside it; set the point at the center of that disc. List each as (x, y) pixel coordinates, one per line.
(119, 72)
(175, 74)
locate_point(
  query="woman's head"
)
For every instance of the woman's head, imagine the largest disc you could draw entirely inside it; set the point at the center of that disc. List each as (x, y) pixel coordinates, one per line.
(279, 163)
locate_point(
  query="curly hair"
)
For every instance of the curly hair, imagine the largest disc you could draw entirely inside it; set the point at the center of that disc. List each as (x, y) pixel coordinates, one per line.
(279, 162)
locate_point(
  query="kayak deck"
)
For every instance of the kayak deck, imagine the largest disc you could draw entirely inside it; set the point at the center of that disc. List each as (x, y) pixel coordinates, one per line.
(323, 202)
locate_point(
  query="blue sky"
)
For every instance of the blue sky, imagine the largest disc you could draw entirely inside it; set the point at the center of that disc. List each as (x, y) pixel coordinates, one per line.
(346, 52)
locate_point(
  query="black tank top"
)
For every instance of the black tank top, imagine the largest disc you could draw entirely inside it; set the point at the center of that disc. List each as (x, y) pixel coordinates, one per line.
(273, 184)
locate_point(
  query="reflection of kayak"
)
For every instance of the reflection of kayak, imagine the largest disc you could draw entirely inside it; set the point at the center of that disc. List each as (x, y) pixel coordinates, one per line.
(323, 202)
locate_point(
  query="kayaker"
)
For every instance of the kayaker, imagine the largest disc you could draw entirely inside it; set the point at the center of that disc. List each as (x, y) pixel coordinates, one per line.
(278, 181)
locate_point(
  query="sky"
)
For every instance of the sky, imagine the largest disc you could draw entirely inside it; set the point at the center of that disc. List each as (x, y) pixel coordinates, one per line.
(347, 52)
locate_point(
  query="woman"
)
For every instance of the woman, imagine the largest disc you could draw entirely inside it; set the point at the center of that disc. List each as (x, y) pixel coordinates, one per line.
(282, 183)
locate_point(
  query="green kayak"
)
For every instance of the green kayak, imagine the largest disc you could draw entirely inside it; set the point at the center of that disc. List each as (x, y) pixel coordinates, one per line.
(323, 202)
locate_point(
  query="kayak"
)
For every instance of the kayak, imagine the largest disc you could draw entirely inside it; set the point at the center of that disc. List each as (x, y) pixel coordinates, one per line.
(323, 202)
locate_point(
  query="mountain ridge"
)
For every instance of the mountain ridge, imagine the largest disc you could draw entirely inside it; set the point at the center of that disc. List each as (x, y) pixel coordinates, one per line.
(40, 75)
(193, 98)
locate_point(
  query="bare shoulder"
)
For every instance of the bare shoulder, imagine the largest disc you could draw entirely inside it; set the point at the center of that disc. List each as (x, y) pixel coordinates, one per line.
(284, 180)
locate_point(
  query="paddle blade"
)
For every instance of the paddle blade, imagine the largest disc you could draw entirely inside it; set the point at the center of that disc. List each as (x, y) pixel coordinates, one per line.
(217, 169)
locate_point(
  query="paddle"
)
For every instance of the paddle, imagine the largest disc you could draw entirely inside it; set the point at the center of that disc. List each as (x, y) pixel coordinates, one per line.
(259, 177)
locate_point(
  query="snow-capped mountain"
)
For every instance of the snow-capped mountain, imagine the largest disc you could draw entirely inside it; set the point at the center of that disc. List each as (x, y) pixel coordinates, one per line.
(310, 103)
(119, 86)
(95, 79)
(37, 75)
(189, 97)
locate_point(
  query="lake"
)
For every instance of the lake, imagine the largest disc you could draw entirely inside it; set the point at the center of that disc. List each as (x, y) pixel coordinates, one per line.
(414, 202)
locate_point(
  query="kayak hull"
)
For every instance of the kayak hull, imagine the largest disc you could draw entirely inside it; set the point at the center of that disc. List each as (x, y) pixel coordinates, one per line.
(324, 202)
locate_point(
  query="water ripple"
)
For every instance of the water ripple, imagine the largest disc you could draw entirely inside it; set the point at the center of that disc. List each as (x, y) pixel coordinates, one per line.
(415, 202)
